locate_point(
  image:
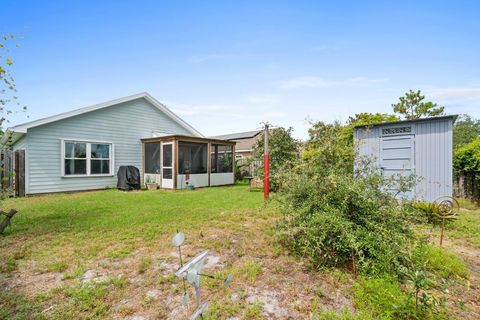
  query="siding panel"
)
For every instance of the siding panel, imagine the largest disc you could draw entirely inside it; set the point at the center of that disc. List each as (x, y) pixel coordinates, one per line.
(123, 125)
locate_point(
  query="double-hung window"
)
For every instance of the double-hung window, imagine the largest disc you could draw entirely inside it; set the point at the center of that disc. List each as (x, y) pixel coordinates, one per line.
(87, 158)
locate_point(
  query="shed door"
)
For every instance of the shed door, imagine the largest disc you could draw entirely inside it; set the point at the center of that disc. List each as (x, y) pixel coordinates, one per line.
(398, 158)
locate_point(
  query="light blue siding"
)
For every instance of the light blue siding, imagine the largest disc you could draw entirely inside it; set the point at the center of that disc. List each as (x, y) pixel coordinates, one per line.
(367, 145)
(20, 144)
(123, 125)
(433, 161)
(432, 156)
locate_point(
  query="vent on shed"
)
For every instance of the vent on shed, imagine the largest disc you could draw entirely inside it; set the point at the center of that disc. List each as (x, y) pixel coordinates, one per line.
(396, 130)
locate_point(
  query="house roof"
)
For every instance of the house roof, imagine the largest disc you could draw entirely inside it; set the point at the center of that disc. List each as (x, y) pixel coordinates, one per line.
(239, 135)
(453, 117)
(20, 129)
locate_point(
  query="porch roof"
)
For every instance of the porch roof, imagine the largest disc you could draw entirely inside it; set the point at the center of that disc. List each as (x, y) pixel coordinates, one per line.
(178, 137)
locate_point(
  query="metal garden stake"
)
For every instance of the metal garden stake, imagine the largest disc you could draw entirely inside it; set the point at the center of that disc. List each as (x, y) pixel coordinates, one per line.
(191, 272)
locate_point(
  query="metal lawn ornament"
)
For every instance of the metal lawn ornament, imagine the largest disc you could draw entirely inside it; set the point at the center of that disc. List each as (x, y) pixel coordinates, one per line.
(447, 209)
(191, 272)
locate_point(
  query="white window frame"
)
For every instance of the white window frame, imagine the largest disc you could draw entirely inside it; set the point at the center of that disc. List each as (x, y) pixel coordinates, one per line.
(88, 158)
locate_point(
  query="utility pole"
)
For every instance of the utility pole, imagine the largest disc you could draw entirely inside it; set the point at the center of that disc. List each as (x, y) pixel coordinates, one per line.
(266, 163)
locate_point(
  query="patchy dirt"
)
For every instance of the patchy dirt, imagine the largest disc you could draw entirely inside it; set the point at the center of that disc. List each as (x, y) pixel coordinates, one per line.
(270, 303)
(469, 294)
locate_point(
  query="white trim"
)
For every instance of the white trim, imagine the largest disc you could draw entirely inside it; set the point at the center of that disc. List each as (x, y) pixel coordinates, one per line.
(167, 183)
(22, 128)
(88, 158)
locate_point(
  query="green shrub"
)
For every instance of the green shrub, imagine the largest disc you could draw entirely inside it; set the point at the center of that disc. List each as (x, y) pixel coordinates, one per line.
(427, 209)
(467, 158)
(341, 221)
(440, 262)
(383, 299)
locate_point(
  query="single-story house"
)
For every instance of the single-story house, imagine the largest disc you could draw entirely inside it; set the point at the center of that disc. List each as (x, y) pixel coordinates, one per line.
(83, 149)
(244, 142)
(422, 147)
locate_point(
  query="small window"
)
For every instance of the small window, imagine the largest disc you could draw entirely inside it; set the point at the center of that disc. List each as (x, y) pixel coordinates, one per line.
(85, 159)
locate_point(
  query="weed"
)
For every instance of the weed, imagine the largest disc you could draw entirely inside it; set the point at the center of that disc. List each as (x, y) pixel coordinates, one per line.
(253, 311)
(144, 264)
(249, 271)
(58, 266)
(383, 298)
(9, 265)
(440, 262)
(167, 279)
(222, 310)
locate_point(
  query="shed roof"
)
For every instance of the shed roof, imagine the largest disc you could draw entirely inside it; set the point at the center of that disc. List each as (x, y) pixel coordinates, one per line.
(453, 117)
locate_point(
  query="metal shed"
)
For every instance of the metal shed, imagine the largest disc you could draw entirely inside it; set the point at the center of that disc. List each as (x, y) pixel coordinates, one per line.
(422, 147)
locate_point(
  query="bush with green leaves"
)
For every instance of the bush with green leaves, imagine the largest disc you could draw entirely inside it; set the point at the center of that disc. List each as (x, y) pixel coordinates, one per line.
(336, 219)
(466, 159)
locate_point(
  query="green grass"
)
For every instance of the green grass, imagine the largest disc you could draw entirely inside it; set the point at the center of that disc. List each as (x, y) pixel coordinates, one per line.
(113, 224)
(440, 262)
(249, 271)
(71, 233)
(466, 227)
(64, 235)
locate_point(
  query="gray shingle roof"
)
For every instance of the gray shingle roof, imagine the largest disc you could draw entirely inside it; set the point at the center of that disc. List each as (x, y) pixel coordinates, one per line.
(239, 135)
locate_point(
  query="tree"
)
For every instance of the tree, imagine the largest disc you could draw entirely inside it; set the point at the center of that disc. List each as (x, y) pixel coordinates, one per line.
(8, 90)
(283, 149)
(366, 118)
(411, 106)
(8, 102)
(328, 145)
(465, 130)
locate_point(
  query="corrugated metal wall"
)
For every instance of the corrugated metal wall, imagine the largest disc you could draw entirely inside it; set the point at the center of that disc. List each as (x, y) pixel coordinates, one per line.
(123, 125)
(432, 158)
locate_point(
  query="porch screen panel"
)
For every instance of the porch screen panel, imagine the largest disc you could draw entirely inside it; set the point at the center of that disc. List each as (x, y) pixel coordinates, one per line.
(152, 157)
(221, 158)
(192, 157)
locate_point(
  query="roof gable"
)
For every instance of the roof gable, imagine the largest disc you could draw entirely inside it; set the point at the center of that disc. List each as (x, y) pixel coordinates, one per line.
(22, 128)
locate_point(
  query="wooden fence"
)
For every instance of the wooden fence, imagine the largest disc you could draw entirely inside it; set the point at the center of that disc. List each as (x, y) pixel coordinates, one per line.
(248, 167)
(12, 171)
(467, 186)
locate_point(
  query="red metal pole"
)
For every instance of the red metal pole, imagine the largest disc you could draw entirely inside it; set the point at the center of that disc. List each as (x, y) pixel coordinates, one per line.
(266, 175)
(266, 164)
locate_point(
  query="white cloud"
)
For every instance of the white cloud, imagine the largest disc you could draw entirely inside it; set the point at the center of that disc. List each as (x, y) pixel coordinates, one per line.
(454, 94)
(263, 99)
(317, 82)
(275, 114)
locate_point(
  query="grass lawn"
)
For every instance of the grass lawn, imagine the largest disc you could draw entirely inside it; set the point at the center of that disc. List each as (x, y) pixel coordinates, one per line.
(107, 254)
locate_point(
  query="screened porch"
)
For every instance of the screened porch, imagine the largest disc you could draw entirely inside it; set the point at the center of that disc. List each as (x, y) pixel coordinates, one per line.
(179, 162)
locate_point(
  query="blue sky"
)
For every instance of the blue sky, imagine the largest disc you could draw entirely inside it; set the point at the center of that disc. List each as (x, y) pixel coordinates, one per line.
(225, 66)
